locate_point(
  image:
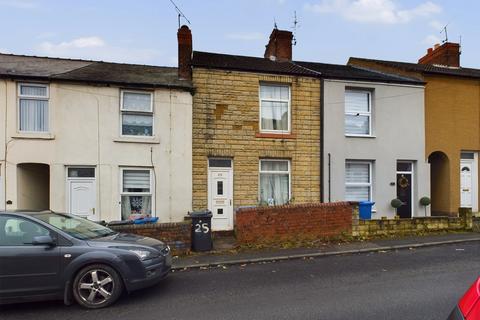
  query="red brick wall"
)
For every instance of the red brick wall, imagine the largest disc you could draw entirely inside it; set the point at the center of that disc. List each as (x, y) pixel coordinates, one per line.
(176, 235)
(262, 225)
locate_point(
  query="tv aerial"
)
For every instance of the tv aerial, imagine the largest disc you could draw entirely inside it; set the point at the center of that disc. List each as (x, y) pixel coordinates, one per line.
(180, 14)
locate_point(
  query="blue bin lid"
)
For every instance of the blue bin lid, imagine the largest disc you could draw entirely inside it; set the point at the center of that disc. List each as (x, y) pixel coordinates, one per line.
(366, 203)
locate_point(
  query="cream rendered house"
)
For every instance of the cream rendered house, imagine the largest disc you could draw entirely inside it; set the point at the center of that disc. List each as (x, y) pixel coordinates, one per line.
(100, 140)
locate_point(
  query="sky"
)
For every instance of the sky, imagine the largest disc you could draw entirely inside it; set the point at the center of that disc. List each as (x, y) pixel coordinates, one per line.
(329, 31)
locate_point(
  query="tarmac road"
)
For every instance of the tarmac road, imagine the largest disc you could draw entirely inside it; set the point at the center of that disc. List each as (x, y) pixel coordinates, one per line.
(407, 284)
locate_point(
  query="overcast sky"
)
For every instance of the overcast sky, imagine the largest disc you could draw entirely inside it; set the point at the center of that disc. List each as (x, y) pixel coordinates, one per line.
(144, 31)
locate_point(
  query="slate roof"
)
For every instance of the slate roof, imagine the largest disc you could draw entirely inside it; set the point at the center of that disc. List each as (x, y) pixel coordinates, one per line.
(44, 68)
(335, 71)
(428, 68)
(245, 63)
(295, 68)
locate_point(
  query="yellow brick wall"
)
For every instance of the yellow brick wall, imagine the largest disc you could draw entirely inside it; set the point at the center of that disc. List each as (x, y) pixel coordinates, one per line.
(225, 124)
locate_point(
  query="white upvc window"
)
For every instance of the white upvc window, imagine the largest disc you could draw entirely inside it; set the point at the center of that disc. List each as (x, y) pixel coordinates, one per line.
(358, 180)
(136, 109)
(275, 181)
(33, 114)
(358, 112)
(274, 108)
(136, 192)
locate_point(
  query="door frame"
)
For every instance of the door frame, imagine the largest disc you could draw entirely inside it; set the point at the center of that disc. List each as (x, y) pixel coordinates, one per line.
(209, 187)
(67, 187)
(412, 173)
(474, 163)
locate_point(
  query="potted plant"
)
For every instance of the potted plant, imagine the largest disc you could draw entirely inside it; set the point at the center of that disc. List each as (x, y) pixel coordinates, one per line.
(425, 201)
(396, 203)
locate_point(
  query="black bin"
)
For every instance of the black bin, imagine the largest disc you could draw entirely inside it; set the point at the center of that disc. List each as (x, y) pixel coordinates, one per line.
(201, 230)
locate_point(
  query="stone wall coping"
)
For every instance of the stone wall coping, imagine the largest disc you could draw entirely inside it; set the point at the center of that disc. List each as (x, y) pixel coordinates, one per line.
(158, 225)
(296, 206)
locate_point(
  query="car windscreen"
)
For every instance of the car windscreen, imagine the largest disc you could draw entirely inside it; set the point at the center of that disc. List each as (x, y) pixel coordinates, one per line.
(77, 227)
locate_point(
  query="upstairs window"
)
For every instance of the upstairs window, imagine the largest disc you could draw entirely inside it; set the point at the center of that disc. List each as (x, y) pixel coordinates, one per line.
(137, 113)
(33, 107)
(274, 108)
(358, 113)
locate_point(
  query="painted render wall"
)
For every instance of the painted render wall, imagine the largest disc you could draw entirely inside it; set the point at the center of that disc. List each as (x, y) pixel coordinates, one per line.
(85, 130)
(399, 134)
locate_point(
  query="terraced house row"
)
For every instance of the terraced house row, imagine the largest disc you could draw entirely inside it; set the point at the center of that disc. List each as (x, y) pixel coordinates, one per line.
(108, 140)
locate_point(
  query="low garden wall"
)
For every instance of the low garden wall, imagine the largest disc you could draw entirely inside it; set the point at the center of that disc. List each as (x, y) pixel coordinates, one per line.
(293, 223)
(416, 225)
(177, 235)
(476, 224)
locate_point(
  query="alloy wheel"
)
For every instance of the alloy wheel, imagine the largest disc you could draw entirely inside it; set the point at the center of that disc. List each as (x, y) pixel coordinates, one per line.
(96, 286)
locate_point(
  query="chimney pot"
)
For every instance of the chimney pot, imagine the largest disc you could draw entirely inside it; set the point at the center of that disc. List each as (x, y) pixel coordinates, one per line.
(184, 37)
(447, 54)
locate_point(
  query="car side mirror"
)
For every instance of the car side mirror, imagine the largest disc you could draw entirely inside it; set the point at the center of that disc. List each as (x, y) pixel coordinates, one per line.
(43, 241)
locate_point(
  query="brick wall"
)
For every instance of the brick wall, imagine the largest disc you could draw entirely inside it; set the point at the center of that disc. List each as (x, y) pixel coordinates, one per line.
(226, 124)
(177, 235)
(266, 225)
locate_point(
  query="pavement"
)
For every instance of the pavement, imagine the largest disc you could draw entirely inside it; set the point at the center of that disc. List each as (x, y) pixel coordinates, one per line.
(213, 259)
(418, 283)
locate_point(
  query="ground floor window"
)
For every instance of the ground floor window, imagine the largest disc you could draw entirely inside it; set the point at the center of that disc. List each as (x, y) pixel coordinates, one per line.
(136, 192)
(358, 181)
(274, 182)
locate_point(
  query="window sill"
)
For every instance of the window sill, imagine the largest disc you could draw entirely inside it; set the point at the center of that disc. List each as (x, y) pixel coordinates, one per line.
(35, 136)
(150, 140)
(275, 135)
(360, 136)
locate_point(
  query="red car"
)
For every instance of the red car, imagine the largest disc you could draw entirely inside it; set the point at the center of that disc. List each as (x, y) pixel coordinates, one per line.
(468, 308)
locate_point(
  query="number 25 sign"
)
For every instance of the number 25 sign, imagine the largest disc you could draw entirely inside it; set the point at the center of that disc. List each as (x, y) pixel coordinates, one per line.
(201, 227)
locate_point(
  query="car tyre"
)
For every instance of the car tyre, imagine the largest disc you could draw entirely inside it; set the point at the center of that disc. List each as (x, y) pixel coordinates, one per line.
(97, 286)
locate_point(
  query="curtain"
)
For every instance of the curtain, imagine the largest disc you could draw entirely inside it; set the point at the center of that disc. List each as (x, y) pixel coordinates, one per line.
(136, 204)
(274, 113)
(36, 91)
(136, 180)
(133, 101)
(33, 115)
(138, 125)
(274, 188)
(356, 103)
(358, 174)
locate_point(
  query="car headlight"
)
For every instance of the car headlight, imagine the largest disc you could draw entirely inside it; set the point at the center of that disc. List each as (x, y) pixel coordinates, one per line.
(165, 251)
(142, 254)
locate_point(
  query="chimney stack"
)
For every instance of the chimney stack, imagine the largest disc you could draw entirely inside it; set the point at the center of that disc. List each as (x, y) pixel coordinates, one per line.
(184, 36)
(279, 48)
(447, 54)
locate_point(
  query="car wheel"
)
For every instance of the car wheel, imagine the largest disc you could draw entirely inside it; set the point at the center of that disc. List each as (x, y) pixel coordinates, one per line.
(97, 286)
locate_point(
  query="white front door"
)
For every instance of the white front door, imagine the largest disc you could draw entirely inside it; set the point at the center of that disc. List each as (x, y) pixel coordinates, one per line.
(466, 185)
(82, 193)
(220, 192)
